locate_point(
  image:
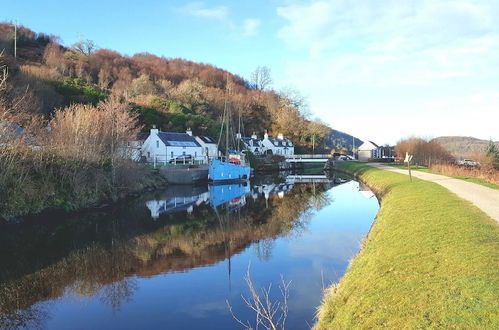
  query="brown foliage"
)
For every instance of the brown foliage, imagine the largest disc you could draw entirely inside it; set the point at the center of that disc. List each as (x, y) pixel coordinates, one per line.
(424, 152)
(484, 172)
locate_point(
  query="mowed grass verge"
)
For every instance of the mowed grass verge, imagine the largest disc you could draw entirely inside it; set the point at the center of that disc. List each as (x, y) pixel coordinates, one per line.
(430, 260)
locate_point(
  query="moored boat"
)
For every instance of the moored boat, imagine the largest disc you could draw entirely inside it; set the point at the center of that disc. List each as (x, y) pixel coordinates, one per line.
(220, 171)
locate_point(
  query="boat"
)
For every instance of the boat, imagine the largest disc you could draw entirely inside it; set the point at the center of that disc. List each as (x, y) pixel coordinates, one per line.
(233, 167)
(221, 171)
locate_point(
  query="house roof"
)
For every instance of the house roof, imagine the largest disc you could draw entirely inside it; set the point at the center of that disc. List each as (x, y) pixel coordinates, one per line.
(280, 142)
(369, 145)
(178, 139)
(207, 139)
(142, 136)
(247, 140)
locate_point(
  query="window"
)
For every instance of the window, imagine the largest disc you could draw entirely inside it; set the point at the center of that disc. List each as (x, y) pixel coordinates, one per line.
(148, 155)
(183, 153)
(172, 154)
(157, 144)
(195, 154)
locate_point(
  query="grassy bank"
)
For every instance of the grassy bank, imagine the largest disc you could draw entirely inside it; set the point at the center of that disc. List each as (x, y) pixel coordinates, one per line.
(467, 178)
(431, 260)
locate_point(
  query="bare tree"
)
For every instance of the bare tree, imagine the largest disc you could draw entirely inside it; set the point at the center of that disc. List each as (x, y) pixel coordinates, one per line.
(3, 72)
(271, 315)
(260, 78)
(86, 47)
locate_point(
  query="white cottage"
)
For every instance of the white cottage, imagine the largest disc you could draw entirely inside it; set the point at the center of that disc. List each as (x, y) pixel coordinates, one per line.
(163, 147)
(367, 150)
(253, 144)
(209, 145)
(279, 145)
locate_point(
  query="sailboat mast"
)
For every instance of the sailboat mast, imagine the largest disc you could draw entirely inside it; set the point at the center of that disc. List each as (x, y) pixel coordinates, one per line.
(227, 134)
(239, 130)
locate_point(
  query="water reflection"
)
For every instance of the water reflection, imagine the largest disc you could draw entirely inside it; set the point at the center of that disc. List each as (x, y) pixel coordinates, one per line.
(107, 258)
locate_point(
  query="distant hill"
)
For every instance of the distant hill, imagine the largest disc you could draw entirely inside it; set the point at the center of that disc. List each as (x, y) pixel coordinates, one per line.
(339, 140)
(462, 146)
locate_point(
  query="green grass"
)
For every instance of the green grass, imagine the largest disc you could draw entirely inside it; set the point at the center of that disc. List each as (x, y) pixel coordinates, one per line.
(472, 179)
(431, 260)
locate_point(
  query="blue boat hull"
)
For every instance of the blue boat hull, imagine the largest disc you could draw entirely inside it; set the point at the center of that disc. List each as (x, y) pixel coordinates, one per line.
(221, 172)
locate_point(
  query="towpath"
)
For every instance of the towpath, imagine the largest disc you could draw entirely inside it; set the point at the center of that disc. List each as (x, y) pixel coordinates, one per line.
(484, 198)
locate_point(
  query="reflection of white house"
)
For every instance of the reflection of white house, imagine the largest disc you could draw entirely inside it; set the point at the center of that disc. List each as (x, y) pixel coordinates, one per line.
(279, 145)
(365, 191)
(272, 189)
(175, 204)
(253, 144)
(367, 151)
(209, 145)
(162, 147)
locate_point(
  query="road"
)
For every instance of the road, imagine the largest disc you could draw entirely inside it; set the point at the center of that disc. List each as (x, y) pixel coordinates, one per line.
(484, 198)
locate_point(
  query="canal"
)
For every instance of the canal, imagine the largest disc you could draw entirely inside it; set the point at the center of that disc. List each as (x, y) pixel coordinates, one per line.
(177, 258)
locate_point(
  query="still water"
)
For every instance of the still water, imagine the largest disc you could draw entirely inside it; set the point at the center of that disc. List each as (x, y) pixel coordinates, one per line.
(176, 259)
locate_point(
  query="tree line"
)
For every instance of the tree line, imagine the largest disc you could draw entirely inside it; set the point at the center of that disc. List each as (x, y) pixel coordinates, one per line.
(66, 113)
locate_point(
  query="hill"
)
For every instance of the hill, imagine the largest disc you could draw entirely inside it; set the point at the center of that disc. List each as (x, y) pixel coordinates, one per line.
(463, 146)
(339, 140)
(171, 93)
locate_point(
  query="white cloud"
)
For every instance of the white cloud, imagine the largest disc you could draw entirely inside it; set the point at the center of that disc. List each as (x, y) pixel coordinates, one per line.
(251, 26)
(198, 9)
(429, 51)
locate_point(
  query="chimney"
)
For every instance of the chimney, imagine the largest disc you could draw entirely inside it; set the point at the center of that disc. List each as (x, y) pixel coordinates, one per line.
(154, 130)
(280, 136)
(254, 136)
(266, 135)
(189, 131)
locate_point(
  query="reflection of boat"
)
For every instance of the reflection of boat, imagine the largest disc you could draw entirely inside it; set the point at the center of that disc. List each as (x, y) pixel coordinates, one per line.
(234, 194)
(185, 198)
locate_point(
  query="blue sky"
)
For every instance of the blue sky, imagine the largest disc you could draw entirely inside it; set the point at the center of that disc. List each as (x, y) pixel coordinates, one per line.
(381, 70)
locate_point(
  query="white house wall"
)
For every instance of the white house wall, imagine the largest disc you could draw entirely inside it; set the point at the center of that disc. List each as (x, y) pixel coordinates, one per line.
(278, 150)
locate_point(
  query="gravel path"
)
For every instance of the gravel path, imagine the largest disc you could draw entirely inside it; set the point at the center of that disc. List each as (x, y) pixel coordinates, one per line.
(484, 198)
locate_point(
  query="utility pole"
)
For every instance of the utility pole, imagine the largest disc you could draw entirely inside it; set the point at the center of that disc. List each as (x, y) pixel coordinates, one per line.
(313, 144)
(15, 39)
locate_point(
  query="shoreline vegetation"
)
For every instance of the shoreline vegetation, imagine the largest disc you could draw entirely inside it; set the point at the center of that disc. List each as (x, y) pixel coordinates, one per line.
(430, 260)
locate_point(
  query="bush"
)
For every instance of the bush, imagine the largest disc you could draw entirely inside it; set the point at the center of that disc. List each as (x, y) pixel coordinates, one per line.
(77, 91)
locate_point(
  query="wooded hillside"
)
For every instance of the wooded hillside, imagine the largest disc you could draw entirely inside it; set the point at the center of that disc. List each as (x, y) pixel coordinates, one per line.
(463, 146)
(172, 93)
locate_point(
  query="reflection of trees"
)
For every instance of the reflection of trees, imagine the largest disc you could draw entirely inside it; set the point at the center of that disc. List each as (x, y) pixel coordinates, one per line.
(33, 317)
(116, 293)
(177, 242)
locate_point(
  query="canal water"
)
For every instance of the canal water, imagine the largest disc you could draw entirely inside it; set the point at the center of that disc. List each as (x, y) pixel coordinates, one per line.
(177, 259)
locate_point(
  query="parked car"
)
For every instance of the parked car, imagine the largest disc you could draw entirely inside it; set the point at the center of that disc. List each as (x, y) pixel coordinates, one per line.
(181, 159)
(468, 162)
(346, 157)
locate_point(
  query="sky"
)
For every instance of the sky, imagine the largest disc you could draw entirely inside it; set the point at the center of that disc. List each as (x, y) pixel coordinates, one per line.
(381, 70)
